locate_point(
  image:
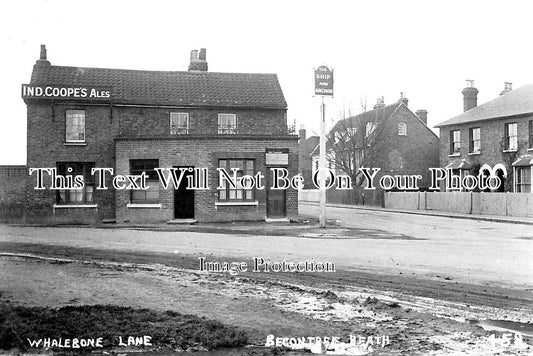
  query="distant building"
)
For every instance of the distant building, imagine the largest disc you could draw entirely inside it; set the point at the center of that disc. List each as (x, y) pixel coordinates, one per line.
(134, 121)
(389, 137)
(497, 132)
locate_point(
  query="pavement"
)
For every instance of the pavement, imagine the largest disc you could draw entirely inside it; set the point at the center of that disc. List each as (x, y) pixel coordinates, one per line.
(491, 218)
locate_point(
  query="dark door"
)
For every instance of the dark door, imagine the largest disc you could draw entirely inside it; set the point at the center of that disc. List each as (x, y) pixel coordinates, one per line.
(184, 198)
(276, 203)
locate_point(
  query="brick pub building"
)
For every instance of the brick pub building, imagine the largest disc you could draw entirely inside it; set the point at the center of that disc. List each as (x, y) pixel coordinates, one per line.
(135, 121)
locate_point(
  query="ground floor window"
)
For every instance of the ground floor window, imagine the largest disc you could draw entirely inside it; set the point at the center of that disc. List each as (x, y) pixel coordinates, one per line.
(69, 170)
(148, 166)
(244, 167)
(523, 179)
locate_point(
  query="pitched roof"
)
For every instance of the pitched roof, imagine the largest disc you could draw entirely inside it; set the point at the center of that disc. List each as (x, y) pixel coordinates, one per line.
(377, 116)
(514, 102)
(170, 88)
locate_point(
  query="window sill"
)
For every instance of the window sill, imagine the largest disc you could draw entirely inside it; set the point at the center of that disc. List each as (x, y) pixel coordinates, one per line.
(75, 206)
(530, 149)
(454, 155)
(237, 203)
(143, 206)
(74, 144)
(474, 153)
(514, 150)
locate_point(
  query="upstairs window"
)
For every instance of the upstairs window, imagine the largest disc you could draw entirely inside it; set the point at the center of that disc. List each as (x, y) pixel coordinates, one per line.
(179, 123)
(530, 133)
(151, 195)
(75, 126)
(76, 196)
(227, 124)
(475, 140)
(511, 136)
(402, 129)
(455, 142)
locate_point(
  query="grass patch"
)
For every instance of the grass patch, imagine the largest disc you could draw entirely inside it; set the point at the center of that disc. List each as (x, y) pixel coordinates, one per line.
(167, 329)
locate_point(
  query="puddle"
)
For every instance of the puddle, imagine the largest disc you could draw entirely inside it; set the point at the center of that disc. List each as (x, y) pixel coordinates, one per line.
(525, 329)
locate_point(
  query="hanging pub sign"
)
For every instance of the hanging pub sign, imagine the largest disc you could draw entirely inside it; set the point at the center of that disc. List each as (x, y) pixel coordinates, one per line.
(64, 92)
(323, 81)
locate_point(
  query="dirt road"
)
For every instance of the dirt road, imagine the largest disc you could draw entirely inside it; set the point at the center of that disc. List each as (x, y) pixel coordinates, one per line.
(418, 313)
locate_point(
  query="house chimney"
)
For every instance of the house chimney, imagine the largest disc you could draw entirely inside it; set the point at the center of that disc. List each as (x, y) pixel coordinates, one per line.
(302, 133)
(42, 61)
(403, 99)
(380, 103)
(423, 116)
(198, 61)
(469, 96)
(507, 87)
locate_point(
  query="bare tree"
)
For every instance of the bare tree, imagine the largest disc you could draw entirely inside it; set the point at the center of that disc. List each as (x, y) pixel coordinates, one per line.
(351, 143)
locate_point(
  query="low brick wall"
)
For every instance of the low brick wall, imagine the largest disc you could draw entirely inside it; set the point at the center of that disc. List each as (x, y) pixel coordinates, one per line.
(13, 193)
(507, 204)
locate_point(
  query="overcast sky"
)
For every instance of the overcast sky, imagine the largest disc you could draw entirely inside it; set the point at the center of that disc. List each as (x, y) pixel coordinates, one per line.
(426, 49)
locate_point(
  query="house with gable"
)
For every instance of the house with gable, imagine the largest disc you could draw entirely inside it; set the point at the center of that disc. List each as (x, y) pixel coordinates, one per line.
(498, 133)
(390, 137)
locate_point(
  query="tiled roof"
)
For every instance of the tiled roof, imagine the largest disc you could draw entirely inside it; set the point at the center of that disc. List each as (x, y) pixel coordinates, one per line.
(514, 102)
(170, 88)
(377, 116)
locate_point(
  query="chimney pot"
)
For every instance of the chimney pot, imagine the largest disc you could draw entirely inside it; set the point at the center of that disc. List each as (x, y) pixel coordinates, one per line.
(422, 115)
(43, 52)
(302, 133)
(380, 102)
(507, 87)
(198, 61)
(469, 96)
(202, 54)
(403, 99)
(42, 61)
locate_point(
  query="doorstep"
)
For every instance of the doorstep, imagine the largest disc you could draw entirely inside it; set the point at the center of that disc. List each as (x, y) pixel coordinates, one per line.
(277, 220)
(182, 221)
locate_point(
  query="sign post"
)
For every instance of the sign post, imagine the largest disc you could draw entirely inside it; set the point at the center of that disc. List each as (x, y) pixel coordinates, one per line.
(323, 87)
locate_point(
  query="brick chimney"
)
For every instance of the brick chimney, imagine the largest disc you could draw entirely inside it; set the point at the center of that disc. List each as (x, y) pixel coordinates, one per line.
(469, 95)
(198, 61)
(403, 99)
(379, 103)
(42, 61)
(507, 87)
(302, 133)
(423, 116)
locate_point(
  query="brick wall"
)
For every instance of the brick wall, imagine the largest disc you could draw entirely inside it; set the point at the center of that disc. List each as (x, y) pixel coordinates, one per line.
(492, 133)
(103, 123)
(13, 181)
(202, 152)
(46, 146)
(412, 154)
(155, 122)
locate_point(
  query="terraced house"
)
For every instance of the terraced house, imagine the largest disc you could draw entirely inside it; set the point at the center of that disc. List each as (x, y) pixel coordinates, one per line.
(499, 132)
(135, 121)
